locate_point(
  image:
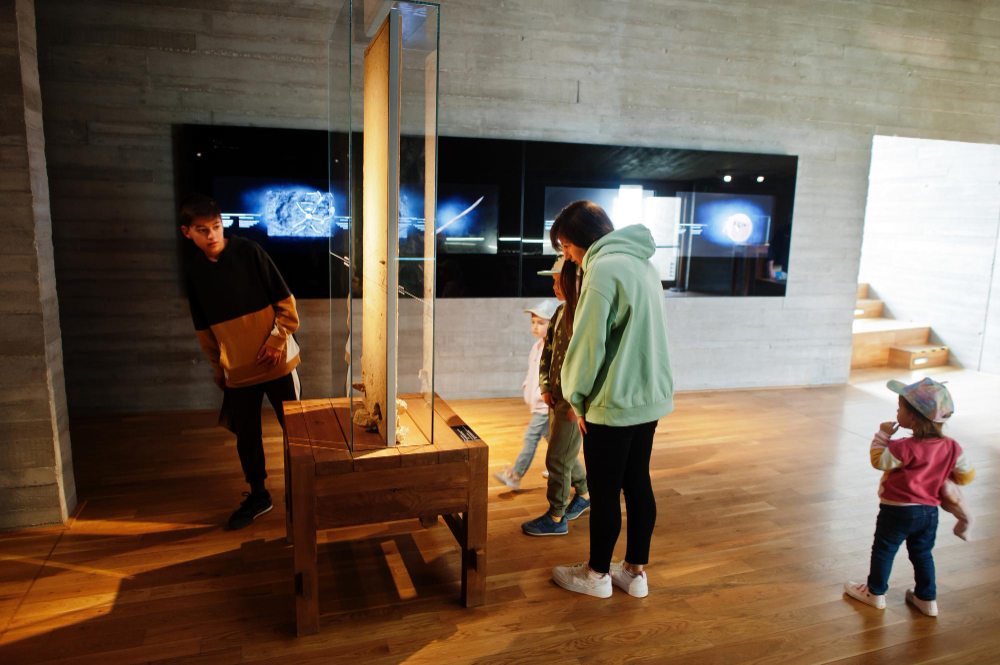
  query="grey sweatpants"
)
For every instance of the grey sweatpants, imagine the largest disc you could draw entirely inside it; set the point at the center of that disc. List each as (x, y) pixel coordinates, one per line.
(563, 462)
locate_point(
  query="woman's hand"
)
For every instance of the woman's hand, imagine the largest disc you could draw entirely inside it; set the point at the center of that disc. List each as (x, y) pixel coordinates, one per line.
(580, 422)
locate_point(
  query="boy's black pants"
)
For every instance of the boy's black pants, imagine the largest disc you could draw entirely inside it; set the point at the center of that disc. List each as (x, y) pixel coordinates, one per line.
(241, 415)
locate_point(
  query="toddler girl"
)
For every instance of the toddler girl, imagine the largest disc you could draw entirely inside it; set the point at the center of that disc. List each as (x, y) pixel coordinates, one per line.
(916, 470)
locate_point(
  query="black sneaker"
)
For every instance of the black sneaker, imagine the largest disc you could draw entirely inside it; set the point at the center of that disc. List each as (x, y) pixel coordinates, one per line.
(253, 506)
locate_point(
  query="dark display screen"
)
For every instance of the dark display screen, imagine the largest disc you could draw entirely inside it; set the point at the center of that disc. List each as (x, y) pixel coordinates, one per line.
(721, 221)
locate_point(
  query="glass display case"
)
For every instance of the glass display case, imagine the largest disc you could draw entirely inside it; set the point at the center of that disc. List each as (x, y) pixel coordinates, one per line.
(383, 83)
(374, 455)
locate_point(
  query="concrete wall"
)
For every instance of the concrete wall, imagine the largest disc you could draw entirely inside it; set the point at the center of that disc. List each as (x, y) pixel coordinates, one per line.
(930, 241)
(36, 469)
(814, 78)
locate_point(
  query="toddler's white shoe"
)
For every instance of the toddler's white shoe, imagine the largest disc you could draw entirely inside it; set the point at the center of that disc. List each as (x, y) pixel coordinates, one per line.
(581, 579)
(508, 478)
(634, 585)
(859, 591)
(928, 607)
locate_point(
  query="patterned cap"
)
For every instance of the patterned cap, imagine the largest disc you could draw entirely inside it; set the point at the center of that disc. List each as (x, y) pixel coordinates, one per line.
(555, 269)
(543, 309)
(927, 396)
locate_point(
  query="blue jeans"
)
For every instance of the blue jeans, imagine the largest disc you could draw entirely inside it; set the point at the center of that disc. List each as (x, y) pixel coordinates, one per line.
(917, 525)
(537, 428)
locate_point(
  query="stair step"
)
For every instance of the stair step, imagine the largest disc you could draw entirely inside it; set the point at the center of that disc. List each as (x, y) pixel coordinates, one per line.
(868, 308)
(880, 324)
(913, 356)
(862, 291)
(873, 338)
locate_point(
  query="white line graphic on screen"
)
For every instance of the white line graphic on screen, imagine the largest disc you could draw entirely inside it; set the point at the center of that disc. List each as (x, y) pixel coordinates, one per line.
(460, 215)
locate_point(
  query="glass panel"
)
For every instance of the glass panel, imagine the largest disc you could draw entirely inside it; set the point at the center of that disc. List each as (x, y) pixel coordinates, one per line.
(418, 221)
(389, 63)
(342, 183)
(721, 220)
(524, 184)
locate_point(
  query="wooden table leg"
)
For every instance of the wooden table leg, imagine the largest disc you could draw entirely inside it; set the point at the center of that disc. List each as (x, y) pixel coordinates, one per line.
(474, 547)
(289, 537)
(304, 533)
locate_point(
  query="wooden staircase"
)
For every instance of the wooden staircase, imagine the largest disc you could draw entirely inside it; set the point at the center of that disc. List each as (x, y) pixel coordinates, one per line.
(882, 342)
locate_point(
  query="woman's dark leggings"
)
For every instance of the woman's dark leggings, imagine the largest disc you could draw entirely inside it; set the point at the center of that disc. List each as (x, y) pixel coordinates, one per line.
(618, 460)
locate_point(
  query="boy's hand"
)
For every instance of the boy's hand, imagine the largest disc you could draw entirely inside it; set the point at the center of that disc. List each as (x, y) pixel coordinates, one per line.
(888, 427)
(549, 401)
(268, 355)
(580, 422)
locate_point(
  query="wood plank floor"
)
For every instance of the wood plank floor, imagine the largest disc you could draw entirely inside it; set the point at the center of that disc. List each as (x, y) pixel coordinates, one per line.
(766, 504)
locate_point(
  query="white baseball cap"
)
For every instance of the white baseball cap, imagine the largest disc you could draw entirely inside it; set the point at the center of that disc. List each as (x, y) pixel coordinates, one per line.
(543, 309)
(555, 269)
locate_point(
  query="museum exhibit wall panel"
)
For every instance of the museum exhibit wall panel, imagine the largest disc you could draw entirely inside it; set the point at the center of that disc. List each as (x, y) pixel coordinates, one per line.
(816, 79)
(930, 238)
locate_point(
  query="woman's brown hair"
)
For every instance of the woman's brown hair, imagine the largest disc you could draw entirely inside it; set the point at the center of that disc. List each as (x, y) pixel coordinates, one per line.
(569, 280)
(582, 223)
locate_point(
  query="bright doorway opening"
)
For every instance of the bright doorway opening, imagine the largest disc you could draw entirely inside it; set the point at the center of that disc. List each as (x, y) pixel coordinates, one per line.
(929, 256)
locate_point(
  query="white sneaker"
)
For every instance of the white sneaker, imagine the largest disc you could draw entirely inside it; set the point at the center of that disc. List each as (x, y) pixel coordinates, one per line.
(928, 607)
(859, 591)
(581, 579)
(508, 478)
(635, 585)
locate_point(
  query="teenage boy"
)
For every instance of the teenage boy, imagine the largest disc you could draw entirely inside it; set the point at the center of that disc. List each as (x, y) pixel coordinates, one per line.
(244, 316)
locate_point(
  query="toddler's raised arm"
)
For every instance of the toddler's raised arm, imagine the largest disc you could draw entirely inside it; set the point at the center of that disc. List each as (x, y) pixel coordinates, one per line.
(881, 458)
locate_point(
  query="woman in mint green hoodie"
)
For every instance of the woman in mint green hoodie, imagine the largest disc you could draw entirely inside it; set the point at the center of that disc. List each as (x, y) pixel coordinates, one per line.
(616, 375)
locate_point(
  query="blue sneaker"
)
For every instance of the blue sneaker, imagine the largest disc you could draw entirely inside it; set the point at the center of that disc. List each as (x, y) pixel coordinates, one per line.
(545, 526)
(578, 506)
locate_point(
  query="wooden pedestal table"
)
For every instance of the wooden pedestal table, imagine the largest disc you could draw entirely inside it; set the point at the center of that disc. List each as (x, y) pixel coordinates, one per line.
(327, 485)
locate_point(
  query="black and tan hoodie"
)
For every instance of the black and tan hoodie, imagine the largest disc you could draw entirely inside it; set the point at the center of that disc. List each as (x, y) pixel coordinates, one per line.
(239, 303)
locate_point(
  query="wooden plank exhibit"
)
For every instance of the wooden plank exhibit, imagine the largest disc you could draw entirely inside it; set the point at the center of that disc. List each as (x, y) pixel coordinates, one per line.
(380, 233)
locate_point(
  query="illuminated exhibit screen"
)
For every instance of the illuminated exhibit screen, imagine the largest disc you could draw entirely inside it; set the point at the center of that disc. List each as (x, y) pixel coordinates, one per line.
(721, 221)
(467, 217)
(625, 205)
(298, 222)
(281, 208)
(722, 224)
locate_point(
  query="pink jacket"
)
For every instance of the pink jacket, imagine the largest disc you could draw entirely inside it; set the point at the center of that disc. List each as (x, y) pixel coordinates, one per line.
(915, 469)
